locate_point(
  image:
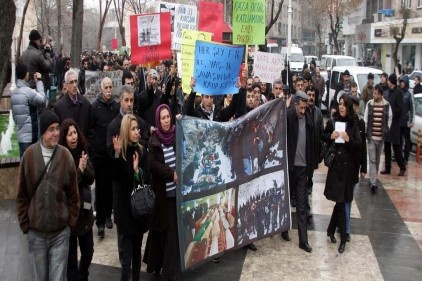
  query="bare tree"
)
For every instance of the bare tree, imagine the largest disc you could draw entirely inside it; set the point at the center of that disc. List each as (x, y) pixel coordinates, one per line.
(134, 6)
(19, 43)
(273, 19)
(399, 32)
(119, 7)
(7, 23)
(77, 31)
(103, 17)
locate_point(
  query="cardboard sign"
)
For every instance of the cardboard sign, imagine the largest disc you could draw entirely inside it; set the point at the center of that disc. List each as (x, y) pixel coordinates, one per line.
(211, 19)
(267, 66)
(216, 68)
(150, 37)
(249, 22)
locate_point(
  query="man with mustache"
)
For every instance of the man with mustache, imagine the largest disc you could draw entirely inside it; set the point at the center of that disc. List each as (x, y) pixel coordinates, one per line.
(300, 130)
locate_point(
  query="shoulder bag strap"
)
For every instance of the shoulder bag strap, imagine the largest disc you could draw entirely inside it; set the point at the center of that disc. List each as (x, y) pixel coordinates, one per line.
(44, 171)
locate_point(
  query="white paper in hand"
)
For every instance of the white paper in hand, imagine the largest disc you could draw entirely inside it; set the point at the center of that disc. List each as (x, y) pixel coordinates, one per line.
(340, 127)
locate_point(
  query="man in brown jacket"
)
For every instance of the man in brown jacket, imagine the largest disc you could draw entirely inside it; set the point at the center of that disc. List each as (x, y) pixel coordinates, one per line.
(48, 200)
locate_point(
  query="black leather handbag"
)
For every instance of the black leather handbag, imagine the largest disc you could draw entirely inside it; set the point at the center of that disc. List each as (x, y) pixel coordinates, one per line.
(330, 154)
(142, 201)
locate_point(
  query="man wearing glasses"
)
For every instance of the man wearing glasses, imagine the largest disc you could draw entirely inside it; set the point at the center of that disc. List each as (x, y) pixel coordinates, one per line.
(73, 105)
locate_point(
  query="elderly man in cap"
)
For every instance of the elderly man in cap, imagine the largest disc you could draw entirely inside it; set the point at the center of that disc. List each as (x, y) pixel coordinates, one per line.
(48, 200)
(25, 104)
(299, 151)
(37, 57)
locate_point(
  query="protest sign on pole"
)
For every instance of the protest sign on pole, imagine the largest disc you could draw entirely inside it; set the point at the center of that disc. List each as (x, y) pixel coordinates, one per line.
(267, 66)
(249, 22)
(150, 37)
(189, 38)
(211, 19)
(233, 182)
(216, 68)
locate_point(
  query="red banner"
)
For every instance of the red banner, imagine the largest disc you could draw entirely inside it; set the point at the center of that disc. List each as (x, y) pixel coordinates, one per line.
(150, 37)
(211, 19)
(114, 43)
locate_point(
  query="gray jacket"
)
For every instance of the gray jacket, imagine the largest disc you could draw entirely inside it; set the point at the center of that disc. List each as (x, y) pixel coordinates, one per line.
(25, 104)
(37, 61)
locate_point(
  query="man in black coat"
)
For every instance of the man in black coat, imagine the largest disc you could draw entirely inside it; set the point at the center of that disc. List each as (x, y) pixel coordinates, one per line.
(395, 98)
(300, 130)
(104, 110)
(73, 105)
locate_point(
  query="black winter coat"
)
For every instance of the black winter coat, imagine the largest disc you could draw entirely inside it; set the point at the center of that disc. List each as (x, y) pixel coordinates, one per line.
(395, 98)
(161, 173)
(123, 184)
(342, 173)
(102, 115)
(79, 112)
(292, 136)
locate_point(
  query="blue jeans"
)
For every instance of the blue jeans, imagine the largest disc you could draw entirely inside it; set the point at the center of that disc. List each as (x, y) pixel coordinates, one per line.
(49, 254)
(348, 207)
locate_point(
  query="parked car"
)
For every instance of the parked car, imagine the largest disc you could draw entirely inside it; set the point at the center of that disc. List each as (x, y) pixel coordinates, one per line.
(412, 77)
(336, 60)
(358, 74)
(418, 120)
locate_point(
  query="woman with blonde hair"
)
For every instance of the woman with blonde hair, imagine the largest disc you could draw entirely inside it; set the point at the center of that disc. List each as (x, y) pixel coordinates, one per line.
(129, 156)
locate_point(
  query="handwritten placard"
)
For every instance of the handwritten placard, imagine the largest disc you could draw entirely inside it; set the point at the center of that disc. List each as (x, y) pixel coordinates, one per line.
(189, 38)
(211, 19)
(216, 68)
(185, 18)
(150, 37)
(248, 22)
(267, 66)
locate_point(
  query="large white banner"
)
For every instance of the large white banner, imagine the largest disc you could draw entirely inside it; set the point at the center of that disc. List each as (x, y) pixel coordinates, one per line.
(267, 66)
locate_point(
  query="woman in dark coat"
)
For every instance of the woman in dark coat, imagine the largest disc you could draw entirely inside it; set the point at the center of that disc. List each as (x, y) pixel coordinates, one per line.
(163, 244)
(129, 156)
(341, 174)
(73, 139)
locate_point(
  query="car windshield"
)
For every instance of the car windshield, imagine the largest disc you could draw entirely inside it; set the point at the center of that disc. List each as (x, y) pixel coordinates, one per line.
(345, 62)
(415, 73)
(363, 78)
(296, 57)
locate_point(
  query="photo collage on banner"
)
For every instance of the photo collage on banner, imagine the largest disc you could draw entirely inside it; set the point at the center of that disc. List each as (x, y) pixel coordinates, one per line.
(233, 188)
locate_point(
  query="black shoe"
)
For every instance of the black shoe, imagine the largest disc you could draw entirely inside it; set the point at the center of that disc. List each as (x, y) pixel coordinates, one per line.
(305, 247)
(402, 173)
(385, 172)
(216, 260)
(109, 223)
(374, 189)
(332, 237)
(251, 247)
(101, 232)
(293, 202)
(309, 190)
(285, 236)
(348, 237)
(341, 247)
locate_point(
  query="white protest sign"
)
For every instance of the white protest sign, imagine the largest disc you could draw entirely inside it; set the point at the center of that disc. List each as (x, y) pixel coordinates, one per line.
(267, 66)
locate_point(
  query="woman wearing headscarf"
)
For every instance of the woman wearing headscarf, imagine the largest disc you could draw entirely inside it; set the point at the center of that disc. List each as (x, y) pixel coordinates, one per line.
(129, 157)
(73, 139)
(163, 244)
(341, 173)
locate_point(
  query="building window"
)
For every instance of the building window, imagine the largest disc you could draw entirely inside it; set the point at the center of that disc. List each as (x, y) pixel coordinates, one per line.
(406, 3)
(419, 3)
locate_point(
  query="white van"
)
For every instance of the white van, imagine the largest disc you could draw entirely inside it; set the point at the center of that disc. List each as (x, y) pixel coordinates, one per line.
(358, 74)
(308, 59)
(296, 57)
(335, 60)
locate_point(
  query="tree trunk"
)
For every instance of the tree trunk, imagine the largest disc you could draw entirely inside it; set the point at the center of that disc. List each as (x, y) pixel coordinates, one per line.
(59, 25)
(77, 31)
(8, 16)
(19, 43)
(122, 34)
(102, 22)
